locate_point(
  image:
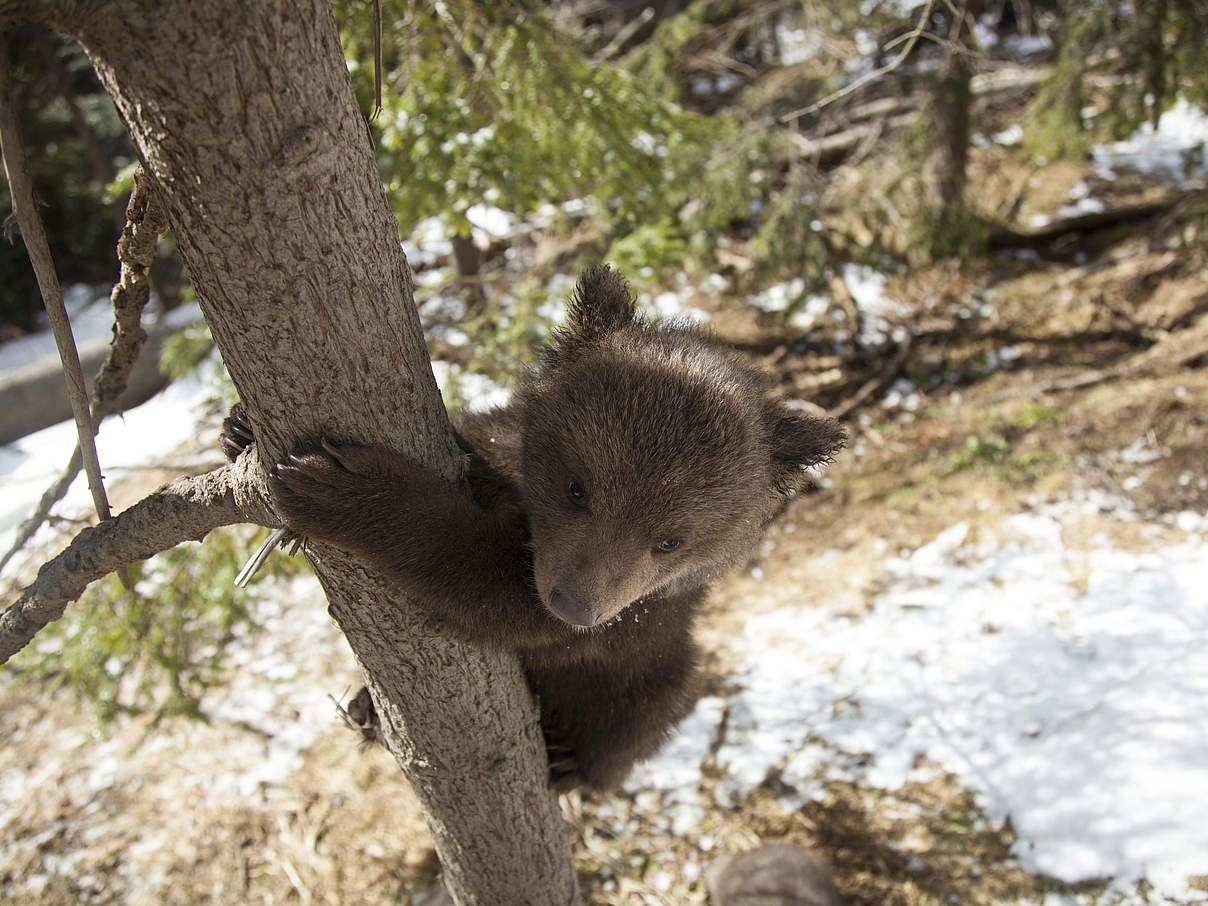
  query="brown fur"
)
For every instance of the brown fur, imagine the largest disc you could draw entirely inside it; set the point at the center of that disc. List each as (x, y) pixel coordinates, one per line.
(624, 435)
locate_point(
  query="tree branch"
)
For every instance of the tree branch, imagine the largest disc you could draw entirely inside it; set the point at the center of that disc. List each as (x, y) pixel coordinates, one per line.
(909, 39)
(185, 510)
(21, 191)
(1050, 234)
(145, 220)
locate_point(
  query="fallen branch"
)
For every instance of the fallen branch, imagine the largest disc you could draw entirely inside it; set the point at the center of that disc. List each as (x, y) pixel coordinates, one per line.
(22, 194)
(866, 122)
(1007, 238)
(185, 510)
(871, 386)
(908, 40)
(1174, 351)
(839, 142)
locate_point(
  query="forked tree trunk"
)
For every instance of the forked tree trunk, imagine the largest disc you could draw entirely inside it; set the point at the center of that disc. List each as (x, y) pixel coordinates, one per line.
(244, 115)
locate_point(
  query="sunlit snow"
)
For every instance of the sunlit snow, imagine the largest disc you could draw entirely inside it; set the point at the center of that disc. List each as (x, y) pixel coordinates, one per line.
(1060, 683)
(1174, 152)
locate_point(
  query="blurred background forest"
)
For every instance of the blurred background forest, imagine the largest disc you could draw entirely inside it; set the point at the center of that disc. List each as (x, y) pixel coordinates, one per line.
(974, 231)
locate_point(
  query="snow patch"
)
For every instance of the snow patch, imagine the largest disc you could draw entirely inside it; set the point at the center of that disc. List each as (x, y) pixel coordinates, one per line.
(1060, 684)
(1173, 153)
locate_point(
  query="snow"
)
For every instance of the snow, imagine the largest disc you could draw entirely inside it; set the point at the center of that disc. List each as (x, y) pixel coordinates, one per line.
(490, 223)
(1174, 153)
(867, 287)
(91, 318)
(797, 44)
(1059, 683)
(672, 306)
(131, 442)
(90, 315)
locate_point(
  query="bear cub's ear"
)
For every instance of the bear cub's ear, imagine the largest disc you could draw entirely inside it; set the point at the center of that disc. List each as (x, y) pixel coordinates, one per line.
(799, 441)
(601, 304)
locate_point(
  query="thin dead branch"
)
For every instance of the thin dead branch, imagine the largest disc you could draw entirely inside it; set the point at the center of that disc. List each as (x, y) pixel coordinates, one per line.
(145, 220)
(839, 142)
(871, 386)
(908, 41)
(187, 509)
(22, 194)
(627, 31)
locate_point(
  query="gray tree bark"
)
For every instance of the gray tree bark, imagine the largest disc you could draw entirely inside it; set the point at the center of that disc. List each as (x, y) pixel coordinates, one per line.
(244, 116)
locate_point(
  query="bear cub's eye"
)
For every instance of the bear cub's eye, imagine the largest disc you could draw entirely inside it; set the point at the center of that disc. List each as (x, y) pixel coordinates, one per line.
(667, 545)
(575, 492)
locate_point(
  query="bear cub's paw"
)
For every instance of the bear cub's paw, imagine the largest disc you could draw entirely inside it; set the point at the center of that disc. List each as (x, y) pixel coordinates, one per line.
(564, 771)
(324, 493)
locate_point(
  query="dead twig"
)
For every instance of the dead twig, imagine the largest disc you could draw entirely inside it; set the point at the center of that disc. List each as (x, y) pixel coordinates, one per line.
(1038, 239)
(22, 193)
(627, 31)
(907, 40)
(871, 386)
(145, 220)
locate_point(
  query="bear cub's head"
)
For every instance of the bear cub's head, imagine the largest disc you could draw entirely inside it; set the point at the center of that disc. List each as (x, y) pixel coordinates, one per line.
(652, 459)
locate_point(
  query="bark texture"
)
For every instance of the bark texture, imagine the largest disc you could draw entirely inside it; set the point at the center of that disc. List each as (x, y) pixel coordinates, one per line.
(951, 95)
(244, 116)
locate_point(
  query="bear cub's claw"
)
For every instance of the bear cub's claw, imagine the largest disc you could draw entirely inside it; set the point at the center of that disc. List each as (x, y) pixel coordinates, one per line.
(237, 433)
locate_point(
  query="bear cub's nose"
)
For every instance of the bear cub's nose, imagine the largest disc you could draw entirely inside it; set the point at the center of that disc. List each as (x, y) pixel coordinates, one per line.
(570, 608)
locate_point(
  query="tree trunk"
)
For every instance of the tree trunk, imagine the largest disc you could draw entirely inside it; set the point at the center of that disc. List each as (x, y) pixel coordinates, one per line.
(244, 116)
(951, 94)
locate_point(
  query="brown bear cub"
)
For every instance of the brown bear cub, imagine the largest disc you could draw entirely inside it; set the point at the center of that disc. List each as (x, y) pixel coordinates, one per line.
(637, 461)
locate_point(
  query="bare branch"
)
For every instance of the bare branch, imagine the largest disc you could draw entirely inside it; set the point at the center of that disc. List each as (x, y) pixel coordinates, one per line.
(185, 510)
(910, 38)
(145, 220)
(22, 193)
(52, 495)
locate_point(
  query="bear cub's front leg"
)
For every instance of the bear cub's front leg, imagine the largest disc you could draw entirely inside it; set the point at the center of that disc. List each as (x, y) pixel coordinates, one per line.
(342, 494)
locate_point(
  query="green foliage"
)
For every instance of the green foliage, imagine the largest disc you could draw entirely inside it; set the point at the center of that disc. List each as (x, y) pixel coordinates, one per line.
(501, 342)
(655, 61)
(1034, 416)
(649, 249)
(1152, 52)
(158, 647)
(183, 352)
(790, 240)
(996, 448)
(489, 102)
(954, 232)
(982, 450)
(936, 227)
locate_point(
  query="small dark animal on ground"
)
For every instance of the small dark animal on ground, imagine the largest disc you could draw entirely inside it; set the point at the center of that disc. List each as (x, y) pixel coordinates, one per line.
(775, 874)
(637, 461)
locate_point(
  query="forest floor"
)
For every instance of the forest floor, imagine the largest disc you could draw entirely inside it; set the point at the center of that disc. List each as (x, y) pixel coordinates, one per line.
(968, 669)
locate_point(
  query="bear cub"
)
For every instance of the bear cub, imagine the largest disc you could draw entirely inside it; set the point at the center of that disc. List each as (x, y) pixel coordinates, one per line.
(637, 461)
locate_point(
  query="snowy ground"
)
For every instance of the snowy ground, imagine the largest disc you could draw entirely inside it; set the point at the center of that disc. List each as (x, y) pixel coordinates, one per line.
(1059, 682)
(1062, 682)
(1059, 672)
